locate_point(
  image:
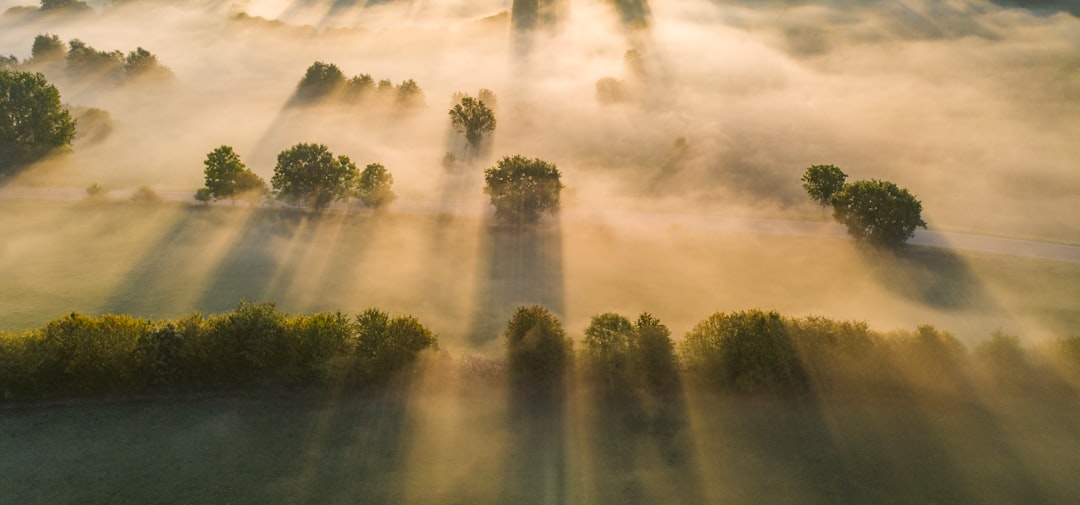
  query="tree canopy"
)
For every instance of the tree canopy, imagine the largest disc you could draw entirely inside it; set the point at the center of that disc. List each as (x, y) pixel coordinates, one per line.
(33, 122)
(227, 177)
(822, 182)
(878, 212)
(538, 350)
(320, 81)
(522, 189)
(374, 186)
(472, 117)
(309, 174)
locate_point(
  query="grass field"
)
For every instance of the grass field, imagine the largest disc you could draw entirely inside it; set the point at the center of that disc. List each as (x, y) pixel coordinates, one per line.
(447, 440)
(463, 278)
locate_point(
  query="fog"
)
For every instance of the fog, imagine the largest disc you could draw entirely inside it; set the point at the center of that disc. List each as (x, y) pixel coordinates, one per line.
(971, 105)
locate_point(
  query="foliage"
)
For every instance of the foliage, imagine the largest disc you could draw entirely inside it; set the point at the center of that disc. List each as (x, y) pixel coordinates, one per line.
(822, 182)
(522, 189)
(385, 346)
(253, 345)
(538, 351)
(49, 5)
(140, 63)
(33, 122)
(85, 62)
(359, 87)
(409, 94)
(309, 174)
(320, 81)
(877, 212)
(374, 188)
(47, 47)
(227, 177)
(9, 62)
(631, 355)
(748, 352)
(607, 347)
(472, 117)
(95, 125)
(487, 97)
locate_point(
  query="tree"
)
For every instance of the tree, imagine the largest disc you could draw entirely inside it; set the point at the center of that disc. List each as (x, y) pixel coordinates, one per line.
(33, 122)
(409, 94)
(83, 61)
(607, 346)
(652, 355)
(822, 182)
(47, 5)
(877, 212)
(522, 189)
(473, 118)
(47, 47)
(309, 174)
(538, 351)
(320, 81)
(374, 186)
(385, 346)
(227, 177)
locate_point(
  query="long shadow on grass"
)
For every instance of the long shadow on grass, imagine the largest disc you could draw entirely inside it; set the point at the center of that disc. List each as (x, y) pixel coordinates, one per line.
(932, 276)
(641, 448)
(536, 470)
(518, 266)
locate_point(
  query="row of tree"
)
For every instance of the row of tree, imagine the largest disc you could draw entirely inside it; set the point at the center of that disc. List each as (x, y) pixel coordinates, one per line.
(876, 212)
(748, 352)
(757, 352)
(81, 61)
(254, 345)
(325, 82)
(305, 174)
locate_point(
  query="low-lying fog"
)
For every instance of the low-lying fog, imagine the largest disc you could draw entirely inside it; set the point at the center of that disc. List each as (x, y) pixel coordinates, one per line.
(971, 105)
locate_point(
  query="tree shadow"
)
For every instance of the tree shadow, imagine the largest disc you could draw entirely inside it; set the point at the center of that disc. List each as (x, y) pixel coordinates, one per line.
(642, 447)
(536, 469)
(932, 276)
(524, 266)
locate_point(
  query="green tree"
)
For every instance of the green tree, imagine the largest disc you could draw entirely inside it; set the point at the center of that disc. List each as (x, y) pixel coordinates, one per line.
(473, 118)
(652, 355)
(822, 182)
(359, 87)
(83, 61)
(320, 81)
(385, 346)
(522, 189)
(877, 212)
(607, 347)
(374, 186)
(47, 47)
(47, 5)
(409, 94)
(33, 122)
(141, 62)
(309, 174)
(227, 177)
(748, 352)
(538, 350)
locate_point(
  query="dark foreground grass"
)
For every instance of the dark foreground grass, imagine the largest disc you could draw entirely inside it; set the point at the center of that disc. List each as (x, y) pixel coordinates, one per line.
(446, 440)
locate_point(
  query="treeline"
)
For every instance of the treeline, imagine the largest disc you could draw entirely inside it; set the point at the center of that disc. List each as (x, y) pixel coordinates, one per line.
(253, 346)
(749, 352)
(325, 82)
(81, 61)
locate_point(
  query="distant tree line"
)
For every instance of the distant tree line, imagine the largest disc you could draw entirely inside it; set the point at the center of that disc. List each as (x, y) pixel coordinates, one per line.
(254, 345)
(79, 60)
(326, 83)
(748, 353)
